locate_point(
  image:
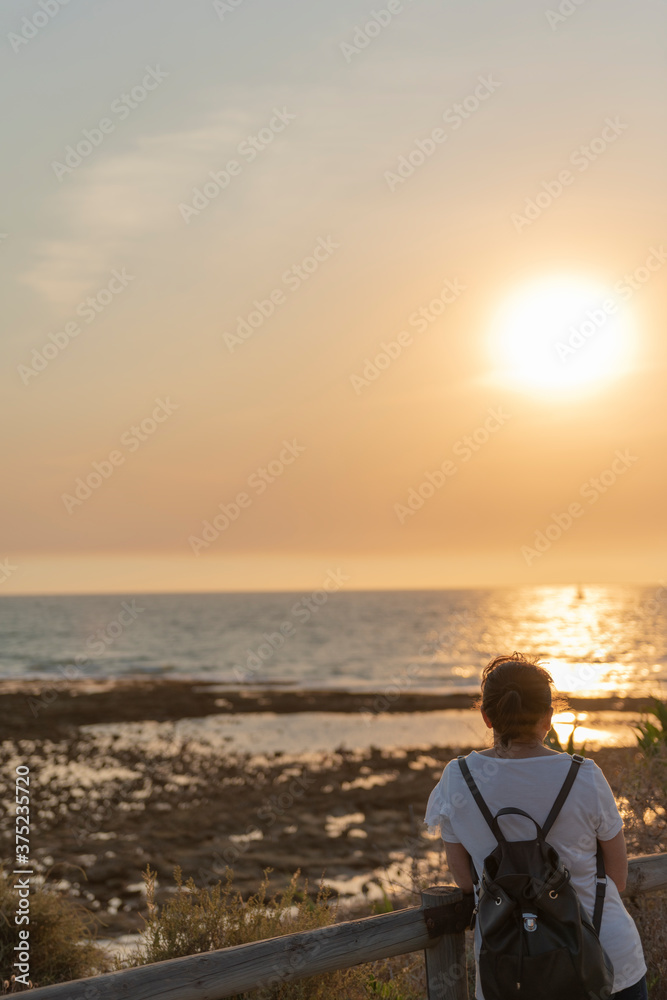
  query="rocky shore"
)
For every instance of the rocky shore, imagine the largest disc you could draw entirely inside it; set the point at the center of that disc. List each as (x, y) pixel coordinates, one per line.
(102, 808)
(42, 710)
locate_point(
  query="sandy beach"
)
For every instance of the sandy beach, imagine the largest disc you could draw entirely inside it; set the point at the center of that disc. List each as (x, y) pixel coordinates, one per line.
(130, 773)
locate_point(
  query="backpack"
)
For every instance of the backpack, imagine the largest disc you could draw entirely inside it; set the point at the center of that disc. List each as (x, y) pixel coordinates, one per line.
(537, 941)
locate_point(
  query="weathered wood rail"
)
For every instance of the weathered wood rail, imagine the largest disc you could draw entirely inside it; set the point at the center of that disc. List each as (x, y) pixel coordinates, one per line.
(436, 927)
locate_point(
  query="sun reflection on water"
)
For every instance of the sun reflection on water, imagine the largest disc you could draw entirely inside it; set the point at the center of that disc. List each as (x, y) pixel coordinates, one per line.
(588, 640)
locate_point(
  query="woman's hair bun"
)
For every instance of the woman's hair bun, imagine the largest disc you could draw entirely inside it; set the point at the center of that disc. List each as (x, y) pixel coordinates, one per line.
(516, 694)
(510, 702)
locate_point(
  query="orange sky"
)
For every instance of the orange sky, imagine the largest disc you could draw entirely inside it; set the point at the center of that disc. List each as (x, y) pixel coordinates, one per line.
(181, 348)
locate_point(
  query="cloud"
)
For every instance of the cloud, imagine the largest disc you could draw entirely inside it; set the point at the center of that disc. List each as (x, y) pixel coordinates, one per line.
(106, 207)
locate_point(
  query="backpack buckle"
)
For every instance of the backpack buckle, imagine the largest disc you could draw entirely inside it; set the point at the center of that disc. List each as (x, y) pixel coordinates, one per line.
(529, 922)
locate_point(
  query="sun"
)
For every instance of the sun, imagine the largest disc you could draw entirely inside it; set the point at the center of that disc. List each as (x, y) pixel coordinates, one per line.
(562, 334)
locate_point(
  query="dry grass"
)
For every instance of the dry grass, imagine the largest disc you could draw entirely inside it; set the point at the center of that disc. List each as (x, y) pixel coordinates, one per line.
(650, 914)
(641, 791)
(196, 919)
(61, 937)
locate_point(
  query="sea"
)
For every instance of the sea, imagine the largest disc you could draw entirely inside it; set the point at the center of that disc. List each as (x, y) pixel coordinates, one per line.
(595, 640)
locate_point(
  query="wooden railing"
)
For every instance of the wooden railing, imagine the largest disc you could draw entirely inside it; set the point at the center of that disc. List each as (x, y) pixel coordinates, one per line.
(436, 927)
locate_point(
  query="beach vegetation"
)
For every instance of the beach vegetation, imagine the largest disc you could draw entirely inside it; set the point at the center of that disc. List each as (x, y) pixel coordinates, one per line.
(384, 905)
(651, 736)
(640, 787)
(61, 942)
(196, 919)
(552, 741)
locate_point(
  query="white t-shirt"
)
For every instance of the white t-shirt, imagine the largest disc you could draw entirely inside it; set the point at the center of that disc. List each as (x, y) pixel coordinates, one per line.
(588, 814)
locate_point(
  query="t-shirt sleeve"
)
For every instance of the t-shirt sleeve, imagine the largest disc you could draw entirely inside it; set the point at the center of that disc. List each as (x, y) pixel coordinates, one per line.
(608, 819)
(439, 809)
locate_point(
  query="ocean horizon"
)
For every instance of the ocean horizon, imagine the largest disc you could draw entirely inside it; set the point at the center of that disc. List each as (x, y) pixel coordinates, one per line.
(595, 639)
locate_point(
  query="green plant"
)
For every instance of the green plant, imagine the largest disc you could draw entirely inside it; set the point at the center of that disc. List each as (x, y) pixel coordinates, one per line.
(386, 989)
(649, 735)
(384, 905)
(61, 944)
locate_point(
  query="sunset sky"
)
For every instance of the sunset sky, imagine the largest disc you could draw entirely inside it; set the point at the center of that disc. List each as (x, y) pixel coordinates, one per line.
(470, 194)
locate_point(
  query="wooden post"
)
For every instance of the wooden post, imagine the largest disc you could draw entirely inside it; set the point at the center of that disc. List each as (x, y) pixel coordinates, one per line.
(646, 874)
(446, 969)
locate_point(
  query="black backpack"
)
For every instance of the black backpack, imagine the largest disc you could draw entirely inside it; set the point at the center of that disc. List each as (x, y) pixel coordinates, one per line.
(537, 942)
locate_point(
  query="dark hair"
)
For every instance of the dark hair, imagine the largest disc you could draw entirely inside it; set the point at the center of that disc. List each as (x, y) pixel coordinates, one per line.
(516, 694)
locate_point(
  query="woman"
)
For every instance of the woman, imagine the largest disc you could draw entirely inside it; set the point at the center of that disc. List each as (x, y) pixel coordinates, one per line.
(520, 771)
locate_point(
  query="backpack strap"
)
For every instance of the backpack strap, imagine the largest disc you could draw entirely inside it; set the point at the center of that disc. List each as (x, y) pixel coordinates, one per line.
(600, 876)
(577, 760)
(492, 821)
(477, 795)
(512, 811)
(600, 889)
